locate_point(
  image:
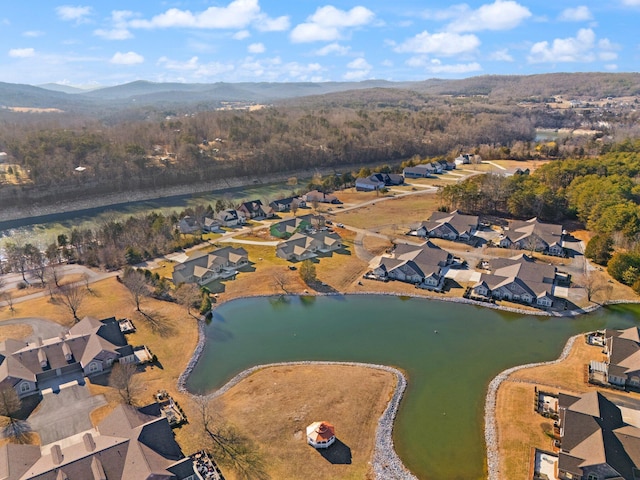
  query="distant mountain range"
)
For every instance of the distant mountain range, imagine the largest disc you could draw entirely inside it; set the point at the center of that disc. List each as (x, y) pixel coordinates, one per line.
(144, 94)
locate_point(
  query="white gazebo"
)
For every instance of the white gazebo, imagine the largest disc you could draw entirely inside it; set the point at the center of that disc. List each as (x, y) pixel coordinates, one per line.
(321, 434)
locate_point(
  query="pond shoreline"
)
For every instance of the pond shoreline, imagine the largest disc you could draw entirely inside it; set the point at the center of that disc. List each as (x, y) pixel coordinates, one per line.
(384, 440)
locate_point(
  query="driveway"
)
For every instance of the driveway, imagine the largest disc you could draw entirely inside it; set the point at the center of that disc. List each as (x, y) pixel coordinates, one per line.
(42, 327)
(65, 413)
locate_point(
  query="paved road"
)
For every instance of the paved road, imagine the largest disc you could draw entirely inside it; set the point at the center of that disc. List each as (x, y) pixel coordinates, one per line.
(65, 413)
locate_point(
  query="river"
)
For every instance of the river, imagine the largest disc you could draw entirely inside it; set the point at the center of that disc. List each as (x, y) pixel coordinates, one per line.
(449, 351)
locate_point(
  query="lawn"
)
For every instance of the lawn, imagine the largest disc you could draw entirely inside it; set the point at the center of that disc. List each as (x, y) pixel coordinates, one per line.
(401, 212)
(273, 407)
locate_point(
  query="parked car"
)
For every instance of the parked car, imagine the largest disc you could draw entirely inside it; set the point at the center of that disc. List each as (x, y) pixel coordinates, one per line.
(340, 225)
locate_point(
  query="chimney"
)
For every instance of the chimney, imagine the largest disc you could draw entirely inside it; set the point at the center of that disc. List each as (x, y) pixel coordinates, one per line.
(89, 443)
(97, 470)
(56, 455)
(39, 341)
(42, 358)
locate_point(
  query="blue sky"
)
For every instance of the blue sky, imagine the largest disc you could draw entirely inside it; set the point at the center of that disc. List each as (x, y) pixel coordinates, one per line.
(112, 42)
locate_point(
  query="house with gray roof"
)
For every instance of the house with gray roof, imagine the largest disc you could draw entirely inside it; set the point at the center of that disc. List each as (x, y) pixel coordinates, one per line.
(126, 445)
(284, 204)
(188, 224)
(621, 367)
(421, 265)
(425, 170)
(203, 268)
(252, 209)
(286, 228)
(320, 197)
(450, 226)
(378, 181)
(595, 441)
(89, 347)
(534, 235)
(303, 246)
(230, 217)
(519, 279)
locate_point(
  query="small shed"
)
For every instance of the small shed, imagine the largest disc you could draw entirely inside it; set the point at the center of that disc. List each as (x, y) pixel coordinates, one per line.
(321, 435)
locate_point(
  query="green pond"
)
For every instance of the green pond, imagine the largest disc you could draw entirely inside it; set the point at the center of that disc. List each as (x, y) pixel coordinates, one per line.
(449, 351)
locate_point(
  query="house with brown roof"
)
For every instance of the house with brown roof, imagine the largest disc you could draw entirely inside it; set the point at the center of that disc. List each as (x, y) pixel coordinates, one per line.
(535, 236)
(595, 441)
(621, 367)
(252, 209)
(126, 445)
(321, 434)
(89, 347)
(303, 246)
(519, 279)
(320, 197)
(421, 265)
(450, 226)
(203, 268)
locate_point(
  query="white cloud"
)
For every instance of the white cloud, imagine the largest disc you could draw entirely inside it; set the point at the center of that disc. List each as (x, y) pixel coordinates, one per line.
(577, 14)
(120, 30)
(436, 66)
(444, 43)
(241, 35)
(499, 15)
(265, 24)
(191, 64)
(572, 49)
(129, 58)
(631, 3)
(32, 33)
(502, 55)
(358, 69)
(22, 52)
(237, 14)
(113, 34)
(611, 66)
(256, 48)
(73, 13)
(453, 11)
(328, 22)
(332, 48)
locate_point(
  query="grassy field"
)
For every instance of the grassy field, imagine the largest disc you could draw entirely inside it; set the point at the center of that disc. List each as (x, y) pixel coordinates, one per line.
(273, 407)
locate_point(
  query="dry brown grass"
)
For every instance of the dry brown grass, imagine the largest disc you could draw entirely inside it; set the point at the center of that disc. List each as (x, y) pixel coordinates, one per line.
(401, 212)
(16, 332)
(274, 406)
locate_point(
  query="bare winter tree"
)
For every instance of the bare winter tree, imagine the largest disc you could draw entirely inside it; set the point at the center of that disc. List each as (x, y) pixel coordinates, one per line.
(280, 281)
(137, 285)
(71, 296)
(592, 285)
(8, 297)
(12, 426)
(229, 447)
(123, 378)
(189, 295)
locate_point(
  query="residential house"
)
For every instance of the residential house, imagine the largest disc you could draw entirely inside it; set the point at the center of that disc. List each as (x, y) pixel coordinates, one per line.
(206, 267)
(91, 346)
(320, 197)
(519, 279)
(211, 225)
(252, 209)
(595, 441)
(622, 365)
(230, 217)
(534, 235)
(126, 444)
(464, 159)
(378, 181)
(188, 225)
(421, 265)
(420, 171)
(284, 204)
(303, 223)
(302, 246)
(451, 226)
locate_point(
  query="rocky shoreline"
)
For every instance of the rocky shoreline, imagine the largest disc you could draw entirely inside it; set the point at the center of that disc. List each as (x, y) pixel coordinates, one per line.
(490, 423)
(386, 464)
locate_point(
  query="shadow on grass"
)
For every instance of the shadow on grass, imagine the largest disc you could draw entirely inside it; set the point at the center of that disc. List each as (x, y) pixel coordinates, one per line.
(336, 454)
(27, 406)
(159, 323)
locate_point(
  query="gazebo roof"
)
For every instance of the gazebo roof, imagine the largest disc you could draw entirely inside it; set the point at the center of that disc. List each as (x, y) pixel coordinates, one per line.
(320, 431)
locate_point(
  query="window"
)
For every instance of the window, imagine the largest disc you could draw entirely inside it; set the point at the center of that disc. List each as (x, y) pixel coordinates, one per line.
(93, 367)
(25, 387)
(592, 476)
